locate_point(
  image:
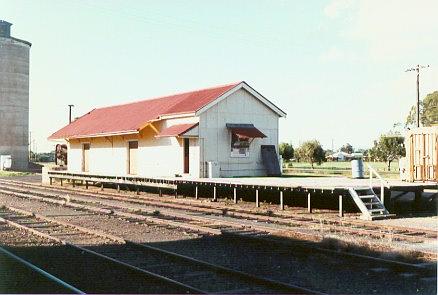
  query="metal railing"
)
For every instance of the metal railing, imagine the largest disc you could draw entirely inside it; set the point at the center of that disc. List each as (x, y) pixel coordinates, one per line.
(383, 183)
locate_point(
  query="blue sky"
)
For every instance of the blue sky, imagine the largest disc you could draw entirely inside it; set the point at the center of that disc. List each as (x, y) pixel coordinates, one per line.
(336, 67)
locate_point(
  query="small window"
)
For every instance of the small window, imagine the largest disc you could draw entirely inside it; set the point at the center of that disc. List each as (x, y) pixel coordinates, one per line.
(239, 146)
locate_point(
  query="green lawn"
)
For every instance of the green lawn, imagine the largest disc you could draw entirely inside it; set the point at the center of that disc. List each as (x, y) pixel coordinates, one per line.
(379, 166)
(12, 173)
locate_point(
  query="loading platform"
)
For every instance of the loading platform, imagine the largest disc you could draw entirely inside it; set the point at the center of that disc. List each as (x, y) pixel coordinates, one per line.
(371, 203)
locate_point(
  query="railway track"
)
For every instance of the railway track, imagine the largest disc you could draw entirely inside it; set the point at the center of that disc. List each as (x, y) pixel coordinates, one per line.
(236, 230)
(356, 227)
(183, 273)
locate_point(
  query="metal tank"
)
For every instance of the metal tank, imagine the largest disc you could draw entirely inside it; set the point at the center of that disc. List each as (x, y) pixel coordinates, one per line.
(357, 168)
(14, 97)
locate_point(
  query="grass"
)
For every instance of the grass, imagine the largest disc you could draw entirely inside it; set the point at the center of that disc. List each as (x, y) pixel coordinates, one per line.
(379, 166)
(330, 169)
(13, 173)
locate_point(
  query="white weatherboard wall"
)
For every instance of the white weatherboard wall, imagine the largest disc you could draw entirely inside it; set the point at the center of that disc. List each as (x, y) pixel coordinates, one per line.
(156, 157)
(239, 107)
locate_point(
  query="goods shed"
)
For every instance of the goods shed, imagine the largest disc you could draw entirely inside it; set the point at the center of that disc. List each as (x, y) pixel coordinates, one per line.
(223, 131)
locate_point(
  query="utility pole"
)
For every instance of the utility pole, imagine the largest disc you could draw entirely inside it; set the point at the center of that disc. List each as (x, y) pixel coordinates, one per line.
(417, 69)
(69, 112)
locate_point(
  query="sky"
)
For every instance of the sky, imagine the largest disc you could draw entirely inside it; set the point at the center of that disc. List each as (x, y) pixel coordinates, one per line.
(337, 68)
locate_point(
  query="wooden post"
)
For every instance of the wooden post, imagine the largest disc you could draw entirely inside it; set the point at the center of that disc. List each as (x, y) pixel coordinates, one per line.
(160, 193)
(101, 186)
(86, 184)
(51, 180)
(196, 193)
(137, 190)
(118, 188)
(235, 195)
(176, 193)
(341, 207)
(61, 181)
(214, 194)
(309, 203)
(281, 201)
(73, 182)
(257, 198)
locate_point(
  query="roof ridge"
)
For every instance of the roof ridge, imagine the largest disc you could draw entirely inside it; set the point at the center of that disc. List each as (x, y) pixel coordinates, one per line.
(167, 96)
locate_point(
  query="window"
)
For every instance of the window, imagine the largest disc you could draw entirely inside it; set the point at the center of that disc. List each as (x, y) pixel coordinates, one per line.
(239, 146)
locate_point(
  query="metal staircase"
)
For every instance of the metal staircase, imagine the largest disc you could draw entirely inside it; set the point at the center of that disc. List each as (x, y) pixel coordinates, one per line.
(368, 203)
(371, 206)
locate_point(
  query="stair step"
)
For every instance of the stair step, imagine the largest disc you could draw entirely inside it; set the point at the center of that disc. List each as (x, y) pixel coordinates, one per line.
(376, 210)
(368, 196)
(372, 203)
(365, 188)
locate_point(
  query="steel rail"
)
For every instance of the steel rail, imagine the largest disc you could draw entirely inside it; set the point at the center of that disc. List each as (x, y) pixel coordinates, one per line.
(40, 271)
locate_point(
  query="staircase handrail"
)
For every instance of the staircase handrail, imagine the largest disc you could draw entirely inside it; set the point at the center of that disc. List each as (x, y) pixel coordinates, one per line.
(378, 176)
(383, 183)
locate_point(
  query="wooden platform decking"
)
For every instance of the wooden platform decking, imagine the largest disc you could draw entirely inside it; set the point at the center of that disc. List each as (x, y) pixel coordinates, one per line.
(316, 184)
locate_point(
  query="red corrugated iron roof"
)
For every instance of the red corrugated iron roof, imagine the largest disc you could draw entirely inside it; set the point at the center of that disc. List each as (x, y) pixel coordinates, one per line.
(176, 130)
(131, 117)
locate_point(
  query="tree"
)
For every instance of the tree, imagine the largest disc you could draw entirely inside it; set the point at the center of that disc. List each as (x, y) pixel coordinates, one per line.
(286, 150)
(347, 148)
(388, 149)
(311, 151)
(428, 111)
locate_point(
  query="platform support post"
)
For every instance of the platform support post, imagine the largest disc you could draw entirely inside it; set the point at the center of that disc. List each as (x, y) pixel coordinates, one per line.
(86, 184)
(196, 193)
(137, 190)
(382, 194)
(341, 206)
(176, 193)
(417, 199)
(73, 182)
(281, 201)
(257, 198)
(235, 195)
(309, 203)
(160, 193)
(101, 186)
(214, 194)
(118, 188)
(61, 181)
(51, 180)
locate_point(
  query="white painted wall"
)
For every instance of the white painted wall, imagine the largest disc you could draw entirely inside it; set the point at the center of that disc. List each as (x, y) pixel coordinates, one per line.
(215, 138)
(157, 157)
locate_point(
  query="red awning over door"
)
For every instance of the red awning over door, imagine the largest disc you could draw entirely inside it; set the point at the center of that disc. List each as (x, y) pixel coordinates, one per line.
(245, 130)
(176, 130)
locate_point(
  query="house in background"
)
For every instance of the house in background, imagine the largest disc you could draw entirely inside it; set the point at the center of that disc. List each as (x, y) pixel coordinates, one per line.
(224, 131)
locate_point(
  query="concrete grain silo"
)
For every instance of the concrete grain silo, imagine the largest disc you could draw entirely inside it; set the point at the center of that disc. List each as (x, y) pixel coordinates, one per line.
(14, 97)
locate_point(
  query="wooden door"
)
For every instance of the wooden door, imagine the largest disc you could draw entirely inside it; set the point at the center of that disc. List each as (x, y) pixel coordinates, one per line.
(85, 157)
(132, 157)
(186, 155)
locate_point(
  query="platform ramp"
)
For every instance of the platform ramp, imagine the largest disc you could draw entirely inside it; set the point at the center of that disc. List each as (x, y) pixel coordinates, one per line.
(369, 203)
(270, 160)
